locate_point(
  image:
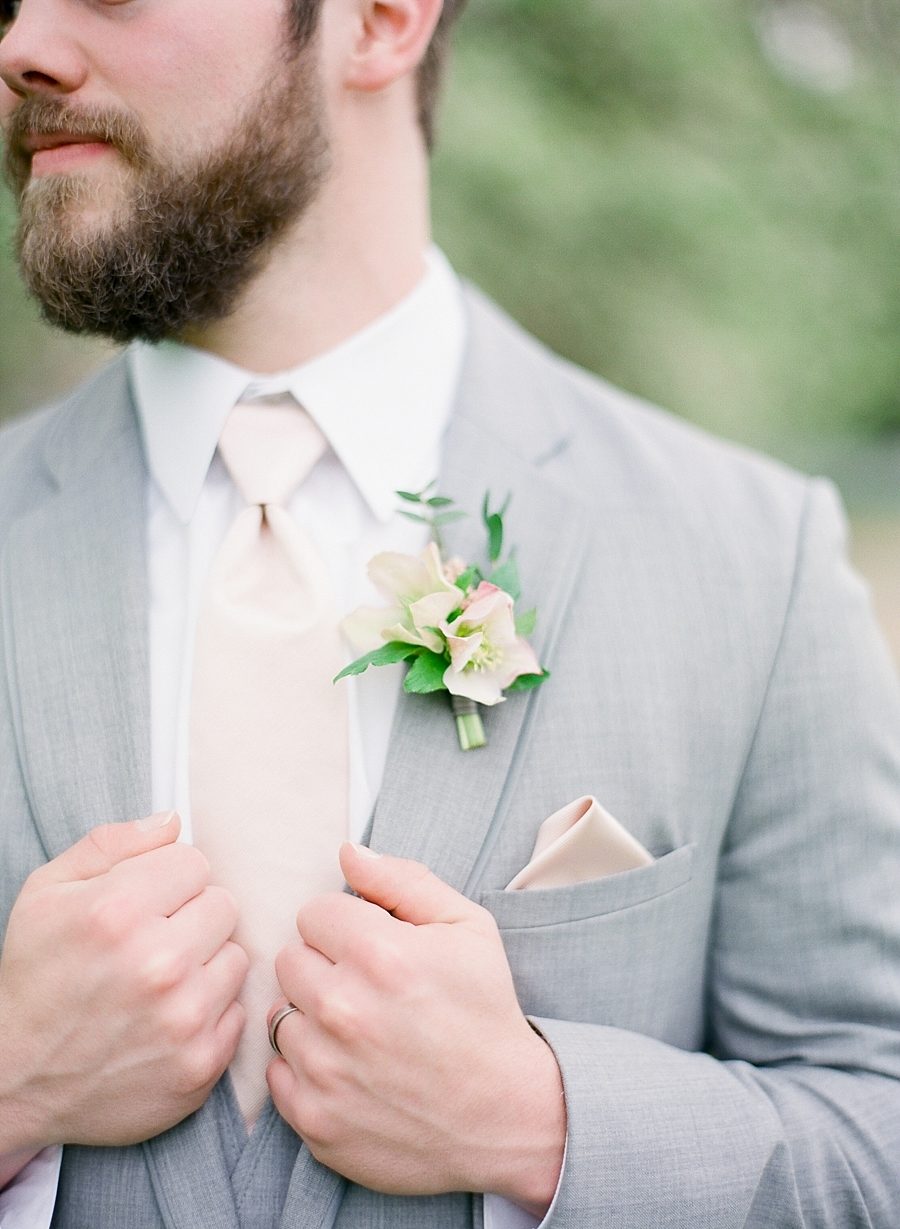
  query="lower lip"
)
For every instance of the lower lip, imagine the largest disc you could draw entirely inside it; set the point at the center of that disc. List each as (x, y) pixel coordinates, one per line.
(66, 157)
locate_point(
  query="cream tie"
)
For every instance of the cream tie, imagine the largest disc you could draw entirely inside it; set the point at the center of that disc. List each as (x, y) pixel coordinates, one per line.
(268, 741)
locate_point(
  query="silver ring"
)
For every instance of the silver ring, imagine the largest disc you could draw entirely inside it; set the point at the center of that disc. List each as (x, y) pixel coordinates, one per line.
(281, 1014)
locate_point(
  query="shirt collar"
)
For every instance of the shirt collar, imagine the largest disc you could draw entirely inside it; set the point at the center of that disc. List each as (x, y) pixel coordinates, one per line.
(382, 397)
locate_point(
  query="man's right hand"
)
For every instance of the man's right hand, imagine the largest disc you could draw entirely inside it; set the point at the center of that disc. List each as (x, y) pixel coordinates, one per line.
(118, 991)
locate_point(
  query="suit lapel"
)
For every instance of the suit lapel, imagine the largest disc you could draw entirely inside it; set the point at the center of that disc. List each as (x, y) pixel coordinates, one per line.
(76, 602)
(76, 595)
(438, 804)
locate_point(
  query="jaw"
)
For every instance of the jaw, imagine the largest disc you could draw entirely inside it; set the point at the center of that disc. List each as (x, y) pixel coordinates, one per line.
(82, 203)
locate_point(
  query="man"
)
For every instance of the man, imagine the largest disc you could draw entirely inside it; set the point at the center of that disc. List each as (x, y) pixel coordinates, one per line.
(707, 1039)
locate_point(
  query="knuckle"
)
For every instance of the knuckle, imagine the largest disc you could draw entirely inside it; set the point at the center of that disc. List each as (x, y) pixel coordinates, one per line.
(226, 902)
(192, 860)
(383, 959)
(109, 918)
(200, 1066)
(161, 971)
(101, 839)
(35, 881)
(183, 1023)
(319, 911)
(337, 1014)
(485, 920)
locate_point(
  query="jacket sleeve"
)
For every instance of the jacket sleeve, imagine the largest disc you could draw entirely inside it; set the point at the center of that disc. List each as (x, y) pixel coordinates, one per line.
(791, 1116)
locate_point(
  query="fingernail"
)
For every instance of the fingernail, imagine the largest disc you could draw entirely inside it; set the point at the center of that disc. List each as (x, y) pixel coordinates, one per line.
(364, 851)
(150, 823)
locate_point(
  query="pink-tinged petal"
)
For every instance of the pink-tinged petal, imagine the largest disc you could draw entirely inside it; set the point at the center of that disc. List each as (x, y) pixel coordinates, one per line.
(366, 628)
(402, 578)
(484, 590)
(478, 685)
(487, 603)
(500, 625)
(518, 658)
(463, 649)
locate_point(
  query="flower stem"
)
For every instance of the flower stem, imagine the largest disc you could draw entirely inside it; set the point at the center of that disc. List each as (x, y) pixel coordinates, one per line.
(469, 727)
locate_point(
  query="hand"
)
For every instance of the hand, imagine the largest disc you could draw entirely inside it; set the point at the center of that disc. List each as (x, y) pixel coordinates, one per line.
(117, 991)
(412, 1069)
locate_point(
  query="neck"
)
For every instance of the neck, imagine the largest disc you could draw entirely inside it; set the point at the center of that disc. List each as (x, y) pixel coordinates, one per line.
(357, 251)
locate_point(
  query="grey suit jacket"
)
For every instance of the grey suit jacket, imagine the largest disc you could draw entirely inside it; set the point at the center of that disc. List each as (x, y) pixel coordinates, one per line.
(726, 1019)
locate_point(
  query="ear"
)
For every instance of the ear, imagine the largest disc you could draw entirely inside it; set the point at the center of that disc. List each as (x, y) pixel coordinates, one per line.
(392, 38)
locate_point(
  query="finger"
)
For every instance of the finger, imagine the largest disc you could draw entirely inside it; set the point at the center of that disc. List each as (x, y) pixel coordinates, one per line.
(406, 889)
(301, 971)
(294, 1035)
(109, 844)
(162, 881)
(334, 923)
(222, 977)
(202, 925)
(228, 1032)
(282, 1084)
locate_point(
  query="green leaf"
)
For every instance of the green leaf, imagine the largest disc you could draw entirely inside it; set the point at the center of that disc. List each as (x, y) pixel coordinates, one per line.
(447, 518)
(469, 579)
(495, 536)
(494, 524)
(439, 501)
(426, 674)
(410, 496)
(526, 622)
(415, 516)
(527, 682)
(394, 650)
(506, 577)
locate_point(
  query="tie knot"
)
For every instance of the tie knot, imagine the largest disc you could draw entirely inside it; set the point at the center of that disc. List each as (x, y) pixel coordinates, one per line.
(269, 446)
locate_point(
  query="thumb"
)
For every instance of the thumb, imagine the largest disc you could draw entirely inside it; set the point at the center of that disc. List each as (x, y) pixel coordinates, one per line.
(406, 889)
(103, 847)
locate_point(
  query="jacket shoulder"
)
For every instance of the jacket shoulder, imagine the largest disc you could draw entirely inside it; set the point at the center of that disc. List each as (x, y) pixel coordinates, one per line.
(617, 450)
(39, 442)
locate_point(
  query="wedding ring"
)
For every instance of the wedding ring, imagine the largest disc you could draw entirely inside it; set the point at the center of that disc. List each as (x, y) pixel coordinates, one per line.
(281, 1014)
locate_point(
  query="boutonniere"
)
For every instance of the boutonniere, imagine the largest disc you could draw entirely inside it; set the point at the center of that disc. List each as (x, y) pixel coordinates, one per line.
(454, 623)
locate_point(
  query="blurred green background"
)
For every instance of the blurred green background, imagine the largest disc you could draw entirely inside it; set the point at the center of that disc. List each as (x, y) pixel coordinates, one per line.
(699, 199)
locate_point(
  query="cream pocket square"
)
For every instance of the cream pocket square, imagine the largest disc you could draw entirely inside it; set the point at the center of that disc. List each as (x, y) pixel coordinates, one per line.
(578, 843)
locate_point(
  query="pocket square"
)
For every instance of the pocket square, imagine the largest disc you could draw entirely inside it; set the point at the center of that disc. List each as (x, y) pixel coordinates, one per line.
(578, 843)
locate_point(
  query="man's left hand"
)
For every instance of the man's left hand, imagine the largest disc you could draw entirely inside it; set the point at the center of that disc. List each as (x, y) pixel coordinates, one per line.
(410, 1067)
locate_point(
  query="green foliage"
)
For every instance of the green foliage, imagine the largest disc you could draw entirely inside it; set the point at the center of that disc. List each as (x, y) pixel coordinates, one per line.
(387, 655)
(506, 577)
(526, 623)
(426, 674)
(435, 511)
(493, 522)
(649, 191)
(528, 682)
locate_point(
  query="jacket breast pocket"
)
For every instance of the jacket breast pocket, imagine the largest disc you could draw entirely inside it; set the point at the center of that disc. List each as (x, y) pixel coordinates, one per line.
(625, 950)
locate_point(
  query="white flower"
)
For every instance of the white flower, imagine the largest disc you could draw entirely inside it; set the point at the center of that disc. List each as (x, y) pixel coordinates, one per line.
(486, 654)
(421, 598)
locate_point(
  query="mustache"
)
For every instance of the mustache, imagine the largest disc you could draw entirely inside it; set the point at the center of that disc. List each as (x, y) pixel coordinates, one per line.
(48, 116)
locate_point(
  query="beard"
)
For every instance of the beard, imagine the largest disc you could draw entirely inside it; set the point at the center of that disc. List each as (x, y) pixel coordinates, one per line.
(182, 241)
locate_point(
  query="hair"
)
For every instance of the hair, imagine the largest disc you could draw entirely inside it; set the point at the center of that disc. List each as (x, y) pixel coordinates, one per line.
(304, 20)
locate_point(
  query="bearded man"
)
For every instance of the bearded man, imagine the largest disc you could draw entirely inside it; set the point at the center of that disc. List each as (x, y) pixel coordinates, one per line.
(674, 1002)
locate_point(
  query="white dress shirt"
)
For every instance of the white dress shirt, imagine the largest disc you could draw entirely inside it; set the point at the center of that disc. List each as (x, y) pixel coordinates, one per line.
(382, 399)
